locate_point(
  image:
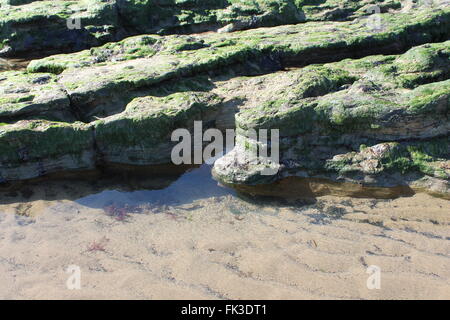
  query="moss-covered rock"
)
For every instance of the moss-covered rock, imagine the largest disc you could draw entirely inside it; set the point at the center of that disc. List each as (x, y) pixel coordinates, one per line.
(361, 124)
(34, 148)
(37, 95)
(141, 135)
(183, 16)
(323, 10)
(127, 49)
(56, 25)
(345, 112)
(98, 75)
(75, 25)
(366, 96)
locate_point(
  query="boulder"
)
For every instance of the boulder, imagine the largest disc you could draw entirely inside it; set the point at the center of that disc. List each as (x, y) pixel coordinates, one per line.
(35, 148)
(33, 95)
(380, 121)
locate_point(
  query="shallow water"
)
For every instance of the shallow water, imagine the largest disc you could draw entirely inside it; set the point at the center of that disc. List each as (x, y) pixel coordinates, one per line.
(13, 64)
(194, 185)
(187, 237)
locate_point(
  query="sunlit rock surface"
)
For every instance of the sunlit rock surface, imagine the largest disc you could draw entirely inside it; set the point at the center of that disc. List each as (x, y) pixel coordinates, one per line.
(354, 105)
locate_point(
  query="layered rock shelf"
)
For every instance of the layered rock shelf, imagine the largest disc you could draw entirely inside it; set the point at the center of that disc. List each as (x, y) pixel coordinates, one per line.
(71, 25)
(361, 104)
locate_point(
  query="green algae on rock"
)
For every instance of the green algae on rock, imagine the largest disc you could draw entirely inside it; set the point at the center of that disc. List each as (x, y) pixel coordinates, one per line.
(375, 130)
(346, 114)
(141, 135)
(127, 49)
(36, 95)
(165, 17)
(90, 80)
(34, 148)
(293, 45)
(75, 25)
(46, 25)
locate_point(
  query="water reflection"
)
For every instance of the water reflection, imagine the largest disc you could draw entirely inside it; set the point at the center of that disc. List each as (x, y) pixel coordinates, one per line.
(193, 185)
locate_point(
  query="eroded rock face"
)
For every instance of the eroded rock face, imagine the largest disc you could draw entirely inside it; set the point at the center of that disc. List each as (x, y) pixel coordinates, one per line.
(29, 26)
(96, 76)
(34, 95)
(345, 112)
(32, 149)
(380, 121)
(74, 25)
(141, 135)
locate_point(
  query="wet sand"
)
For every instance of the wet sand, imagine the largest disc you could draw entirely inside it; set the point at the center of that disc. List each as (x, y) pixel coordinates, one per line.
(195, 240)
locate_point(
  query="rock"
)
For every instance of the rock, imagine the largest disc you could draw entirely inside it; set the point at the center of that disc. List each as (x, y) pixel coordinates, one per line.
(188, 16)
(36, 95)
(37, 26)
(127, 49)
(362, 108)
(354, 121)
(326, 10)
(34, 148)
(146, 61)
(141, 135)
(75, 25)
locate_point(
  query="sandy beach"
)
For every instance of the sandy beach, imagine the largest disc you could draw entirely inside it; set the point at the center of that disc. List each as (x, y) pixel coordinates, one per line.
(224, 150)
(208, 243)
